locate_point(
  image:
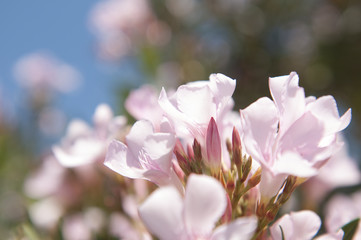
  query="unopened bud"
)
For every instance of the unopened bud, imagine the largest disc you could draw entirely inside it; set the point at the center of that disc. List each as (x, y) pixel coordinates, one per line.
(197, 150)
(246, 169)
(181, 159)
(255, 179)
(179, 148)
(213, 145)
(236, 147)
(190, 152)
(178, 170)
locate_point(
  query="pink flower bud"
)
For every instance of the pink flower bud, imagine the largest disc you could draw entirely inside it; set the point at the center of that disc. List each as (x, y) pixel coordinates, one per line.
(213, 145)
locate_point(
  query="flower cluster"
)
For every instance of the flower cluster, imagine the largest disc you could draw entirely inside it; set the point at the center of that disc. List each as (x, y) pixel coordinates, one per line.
(216, 173)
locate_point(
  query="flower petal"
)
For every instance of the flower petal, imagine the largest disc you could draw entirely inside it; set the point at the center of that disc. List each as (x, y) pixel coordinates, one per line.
(159, 147)
(137, 135)
(162, 213)
(325, 109)
(289, 98)
(296, 225)
(122, 161)
(259, 124)
(240, 229)
(196, 102)
(293, 164)
(205, 202)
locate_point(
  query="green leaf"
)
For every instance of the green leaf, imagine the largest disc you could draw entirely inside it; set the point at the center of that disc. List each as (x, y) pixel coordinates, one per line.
(349, 229)
(282, 233)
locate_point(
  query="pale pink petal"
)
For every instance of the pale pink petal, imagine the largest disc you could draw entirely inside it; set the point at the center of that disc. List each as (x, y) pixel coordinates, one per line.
(325, 109)
(196, 102)
(162, 213)
(293, 164)
(205, 203)
(303, 136)
(159, 148)
(296, 225)
(283, 225)
(222, 88)
(142, 103)
(259, 125)
(240, 229)
(289, 98)
(178, 118)
(271, 183)
(137, 135)
(306, 224)
(122, 161)
(331, 236)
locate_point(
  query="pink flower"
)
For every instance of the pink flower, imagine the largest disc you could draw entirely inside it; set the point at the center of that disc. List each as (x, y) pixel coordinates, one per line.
(300, 225)
(291, 135)
(146, 154)
(120, 15)
(342, 209)
(46, 180)
(83, 144)
(121, 227)
(117, 23)
(40, 71)
(192, 106)
(168, 216)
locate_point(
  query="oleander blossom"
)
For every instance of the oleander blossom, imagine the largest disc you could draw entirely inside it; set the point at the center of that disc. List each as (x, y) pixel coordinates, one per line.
(145, 154)
(85, 145)
(168, 216)
(40, 71)
(192, 106)
(291, 135)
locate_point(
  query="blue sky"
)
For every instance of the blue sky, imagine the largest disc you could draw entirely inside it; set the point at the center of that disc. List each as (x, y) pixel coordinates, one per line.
(60, 28)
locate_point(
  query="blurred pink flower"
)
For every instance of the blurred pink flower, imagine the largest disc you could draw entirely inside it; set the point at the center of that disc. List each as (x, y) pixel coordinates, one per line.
(84, 145)
(46, 212)
(40, 71)
(146, 154)
(83, 225)
(291, 135)
(116, 23)
(191, 107)
(300, 225)
(75, 228)
(121, 227)
(45, 180)
(120, 15)
(168, 216)
(342, 209)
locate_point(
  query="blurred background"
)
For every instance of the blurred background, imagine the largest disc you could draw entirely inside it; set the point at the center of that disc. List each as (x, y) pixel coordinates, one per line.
(60, 59)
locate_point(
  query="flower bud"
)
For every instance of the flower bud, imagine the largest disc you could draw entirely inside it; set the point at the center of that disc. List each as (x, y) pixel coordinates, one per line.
(255, 179)
(197, 151)
(213, 145)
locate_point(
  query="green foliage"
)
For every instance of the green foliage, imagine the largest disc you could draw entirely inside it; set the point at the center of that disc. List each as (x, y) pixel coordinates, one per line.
(350, 228)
